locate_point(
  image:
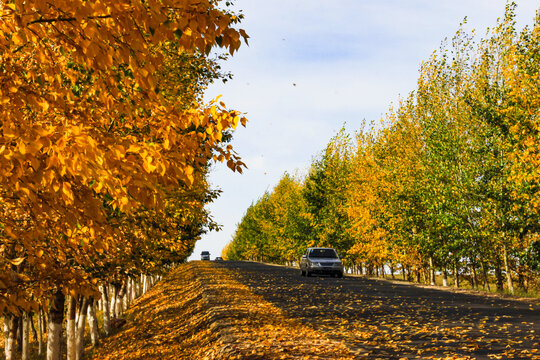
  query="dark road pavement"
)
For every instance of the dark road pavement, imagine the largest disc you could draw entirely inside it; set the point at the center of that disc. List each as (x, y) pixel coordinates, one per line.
(380, 319)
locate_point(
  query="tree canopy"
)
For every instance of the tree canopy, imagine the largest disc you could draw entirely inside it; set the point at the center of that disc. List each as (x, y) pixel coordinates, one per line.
(104, 141)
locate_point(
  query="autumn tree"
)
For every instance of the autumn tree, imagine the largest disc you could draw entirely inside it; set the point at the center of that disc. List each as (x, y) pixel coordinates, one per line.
(91, 129)
(290, 218)
(365, 205)
(324, 193)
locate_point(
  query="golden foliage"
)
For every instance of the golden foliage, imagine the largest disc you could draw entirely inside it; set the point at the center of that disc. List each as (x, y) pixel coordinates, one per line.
(88, 130)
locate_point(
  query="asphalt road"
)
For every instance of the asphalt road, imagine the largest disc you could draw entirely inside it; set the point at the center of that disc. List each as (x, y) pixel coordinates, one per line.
(380, 319)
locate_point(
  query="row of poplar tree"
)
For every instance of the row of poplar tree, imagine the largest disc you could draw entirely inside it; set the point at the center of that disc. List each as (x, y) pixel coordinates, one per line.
(105, 147)
(449, 184)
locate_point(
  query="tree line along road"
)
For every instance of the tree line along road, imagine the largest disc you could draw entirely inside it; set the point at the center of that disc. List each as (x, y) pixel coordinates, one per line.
(380, 319)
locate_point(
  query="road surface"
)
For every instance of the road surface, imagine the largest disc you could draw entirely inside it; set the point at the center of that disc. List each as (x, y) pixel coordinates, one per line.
(380, 319)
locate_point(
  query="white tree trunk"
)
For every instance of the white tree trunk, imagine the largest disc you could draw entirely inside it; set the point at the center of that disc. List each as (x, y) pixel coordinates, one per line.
(93, 323)
(125, 297)
(114, 298)
(106, 313)
(40, 331)
(81, 322)
(6, 332)
(25, 336)
(431, 271)
(54, 335)
(509, 281)
(10, 328)
(119, 300)
(133, 289)
(145, 284)
(71, 347)
(456, 275)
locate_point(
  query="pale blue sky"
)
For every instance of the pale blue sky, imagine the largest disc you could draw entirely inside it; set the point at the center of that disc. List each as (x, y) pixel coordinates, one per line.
(349, 59)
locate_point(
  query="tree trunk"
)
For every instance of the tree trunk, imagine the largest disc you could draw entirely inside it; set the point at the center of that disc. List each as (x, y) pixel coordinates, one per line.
(129, 291)
(33, 327)
(10, 329)
(40, 331)
(6, 333)
(125, 295)
(133, 289)
(106, 314)
(509, 281)
(475, 277)
(485, 275)
(113, 301)
(431, 271)
(71, 347)
(145, 284)
(25, 336)
(19, 334)
(54, 335)
(93, 323)
(119, 299)
(445, 277)
(498, 275)
(456, 274)
(139, 285)
(81, 322)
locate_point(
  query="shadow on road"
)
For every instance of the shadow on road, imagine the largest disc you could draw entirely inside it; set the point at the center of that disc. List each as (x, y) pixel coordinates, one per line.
(380, 319)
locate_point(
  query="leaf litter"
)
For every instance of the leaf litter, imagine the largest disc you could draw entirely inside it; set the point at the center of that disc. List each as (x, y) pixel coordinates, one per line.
(200, 311)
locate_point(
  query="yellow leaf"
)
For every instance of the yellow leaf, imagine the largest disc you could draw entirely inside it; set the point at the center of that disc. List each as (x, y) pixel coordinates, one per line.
(67, 194)
(17, 261)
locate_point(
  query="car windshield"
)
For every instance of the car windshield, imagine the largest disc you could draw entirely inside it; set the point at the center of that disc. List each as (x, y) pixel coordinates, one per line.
(205, 253)
(323, 253)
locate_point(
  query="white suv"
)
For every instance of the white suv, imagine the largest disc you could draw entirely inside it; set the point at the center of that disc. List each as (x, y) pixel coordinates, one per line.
(321, 261)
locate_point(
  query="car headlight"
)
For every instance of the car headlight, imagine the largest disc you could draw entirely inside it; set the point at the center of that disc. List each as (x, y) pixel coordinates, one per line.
(315, 264)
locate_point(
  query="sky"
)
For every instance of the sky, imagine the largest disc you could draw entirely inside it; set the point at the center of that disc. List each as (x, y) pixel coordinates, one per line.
(315, 66)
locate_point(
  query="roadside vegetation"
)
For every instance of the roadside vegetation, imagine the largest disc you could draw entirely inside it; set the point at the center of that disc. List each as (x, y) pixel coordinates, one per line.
(445, 189)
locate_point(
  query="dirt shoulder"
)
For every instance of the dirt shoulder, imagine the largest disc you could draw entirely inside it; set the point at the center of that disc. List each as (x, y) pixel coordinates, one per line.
(200, 311)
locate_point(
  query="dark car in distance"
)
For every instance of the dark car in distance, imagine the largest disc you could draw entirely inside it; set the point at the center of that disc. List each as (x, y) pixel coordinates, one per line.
(205, 255)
